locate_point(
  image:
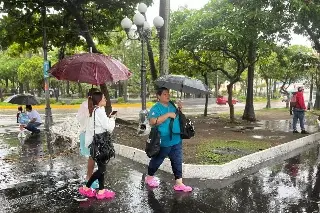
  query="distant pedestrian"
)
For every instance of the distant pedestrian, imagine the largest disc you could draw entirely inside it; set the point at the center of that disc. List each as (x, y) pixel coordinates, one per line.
(98, 123)
(299, 112)
(83, 118)
(34, 120)
(171, 143)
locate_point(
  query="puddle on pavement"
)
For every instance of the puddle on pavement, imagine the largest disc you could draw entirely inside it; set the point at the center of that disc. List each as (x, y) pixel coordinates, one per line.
(269, 137)
(284, 125)
(276, 125)
(31, 147)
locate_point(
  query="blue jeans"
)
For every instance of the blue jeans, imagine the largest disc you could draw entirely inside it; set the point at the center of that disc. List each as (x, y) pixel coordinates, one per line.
(298, 114)
(175, 155)
(32, 127)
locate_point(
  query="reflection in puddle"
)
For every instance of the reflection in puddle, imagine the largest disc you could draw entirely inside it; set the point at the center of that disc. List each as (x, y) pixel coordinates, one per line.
(277, 137)
(283, 125)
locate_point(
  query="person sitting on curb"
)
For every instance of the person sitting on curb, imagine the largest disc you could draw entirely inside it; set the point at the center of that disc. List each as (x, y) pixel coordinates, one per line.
(299, 112)
(35, 120)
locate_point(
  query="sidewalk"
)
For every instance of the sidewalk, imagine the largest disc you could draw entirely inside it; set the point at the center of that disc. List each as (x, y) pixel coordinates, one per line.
(31, 180)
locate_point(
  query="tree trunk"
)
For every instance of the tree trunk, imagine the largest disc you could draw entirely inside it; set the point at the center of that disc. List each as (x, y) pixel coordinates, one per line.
(268, 106)
(248, 113)
(79, 90)
(217, 85)
(20, 88)
(1, 95)
(317, 102)
(311, 94)
(207, 95)
(39, 90)
(125, 91)
(72, 8)
(121, 89)
(68, 88)
(28, 87)
(7, 83)
(231, 106)
(104, 90)
(274, 89)
(164, 12)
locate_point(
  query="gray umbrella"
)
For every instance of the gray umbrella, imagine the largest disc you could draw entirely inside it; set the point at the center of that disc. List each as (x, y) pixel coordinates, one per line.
(183, 83)
(22, 99)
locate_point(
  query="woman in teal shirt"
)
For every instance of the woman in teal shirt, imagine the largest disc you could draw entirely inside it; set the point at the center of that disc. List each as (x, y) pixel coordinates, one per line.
(171, 143)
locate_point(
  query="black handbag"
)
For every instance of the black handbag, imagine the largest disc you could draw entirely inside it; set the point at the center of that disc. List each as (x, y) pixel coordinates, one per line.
(186, 125)
(153, 143)
(101, 148)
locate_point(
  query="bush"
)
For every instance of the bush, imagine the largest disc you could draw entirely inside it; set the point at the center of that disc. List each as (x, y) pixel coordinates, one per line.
(76, 102)
(52, 101)
(223, 92)
(241, 98)
(61, 103)
(120, 100)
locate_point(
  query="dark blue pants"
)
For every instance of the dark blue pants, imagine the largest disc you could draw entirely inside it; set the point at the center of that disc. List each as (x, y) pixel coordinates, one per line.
(175, 155)
(32, 127)
(298, 115)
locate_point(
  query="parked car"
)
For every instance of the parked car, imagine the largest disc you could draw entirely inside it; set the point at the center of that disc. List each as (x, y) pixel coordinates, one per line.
(221, 100)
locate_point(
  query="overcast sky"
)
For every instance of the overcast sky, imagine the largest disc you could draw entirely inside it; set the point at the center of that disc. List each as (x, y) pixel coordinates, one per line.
(153, 11)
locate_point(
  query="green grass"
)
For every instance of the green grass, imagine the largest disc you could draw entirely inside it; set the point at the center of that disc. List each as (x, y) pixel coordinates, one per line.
(206, 156)
(6, 104)
(282, 109)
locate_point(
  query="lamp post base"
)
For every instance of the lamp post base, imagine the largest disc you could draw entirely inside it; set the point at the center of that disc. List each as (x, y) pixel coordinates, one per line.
(48, 118)
(144, 126)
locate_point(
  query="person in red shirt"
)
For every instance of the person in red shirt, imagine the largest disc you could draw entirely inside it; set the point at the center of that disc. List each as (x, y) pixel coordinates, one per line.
(299, 111)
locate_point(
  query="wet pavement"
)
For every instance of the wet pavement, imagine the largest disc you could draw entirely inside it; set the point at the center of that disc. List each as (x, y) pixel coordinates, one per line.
(37, 176)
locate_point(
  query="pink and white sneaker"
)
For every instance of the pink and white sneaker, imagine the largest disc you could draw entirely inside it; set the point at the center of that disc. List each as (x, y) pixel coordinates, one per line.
(152, 182)
(106, 195)
(182, 188)
(87, 193)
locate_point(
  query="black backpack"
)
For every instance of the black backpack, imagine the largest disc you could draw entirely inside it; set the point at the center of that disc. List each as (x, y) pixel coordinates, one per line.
(186, 125)
(101, 148)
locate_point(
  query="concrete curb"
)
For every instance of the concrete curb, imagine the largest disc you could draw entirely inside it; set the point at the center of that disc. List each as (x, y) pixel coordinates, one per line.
(225, 170)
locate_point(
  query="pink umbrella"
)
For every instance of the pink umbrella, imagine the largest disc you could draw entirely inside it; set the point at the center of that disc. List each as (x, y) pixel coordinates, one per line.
(91, 68)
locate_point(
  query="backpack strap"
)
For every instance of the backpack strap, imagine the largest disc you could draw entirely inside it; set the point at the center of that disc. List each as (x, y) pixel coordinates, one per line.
(94, 120)
(172, 120)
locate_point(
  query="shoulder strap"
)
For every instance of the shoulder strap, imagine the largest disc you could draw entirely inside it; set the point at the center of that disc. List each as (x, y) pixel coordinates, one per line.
(94, 120)
(171, 120)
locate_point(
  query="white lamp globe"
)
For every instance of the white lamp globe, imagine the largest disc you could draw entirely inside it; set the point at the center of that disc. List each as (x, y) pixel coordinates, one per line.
(126, 23)
(146, 26)
(158, 22)
(142, 8)
(138, 19)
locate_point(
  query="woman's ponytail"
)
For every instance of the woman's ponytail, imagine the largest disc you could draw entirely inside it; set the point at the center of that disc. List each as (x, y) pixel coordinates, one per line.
(90, 106)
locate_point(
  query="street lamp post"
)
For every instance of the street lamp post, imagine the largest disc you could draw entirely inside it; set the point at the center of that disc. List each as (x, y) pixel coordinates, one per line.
(46, 66)
(142, 33)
